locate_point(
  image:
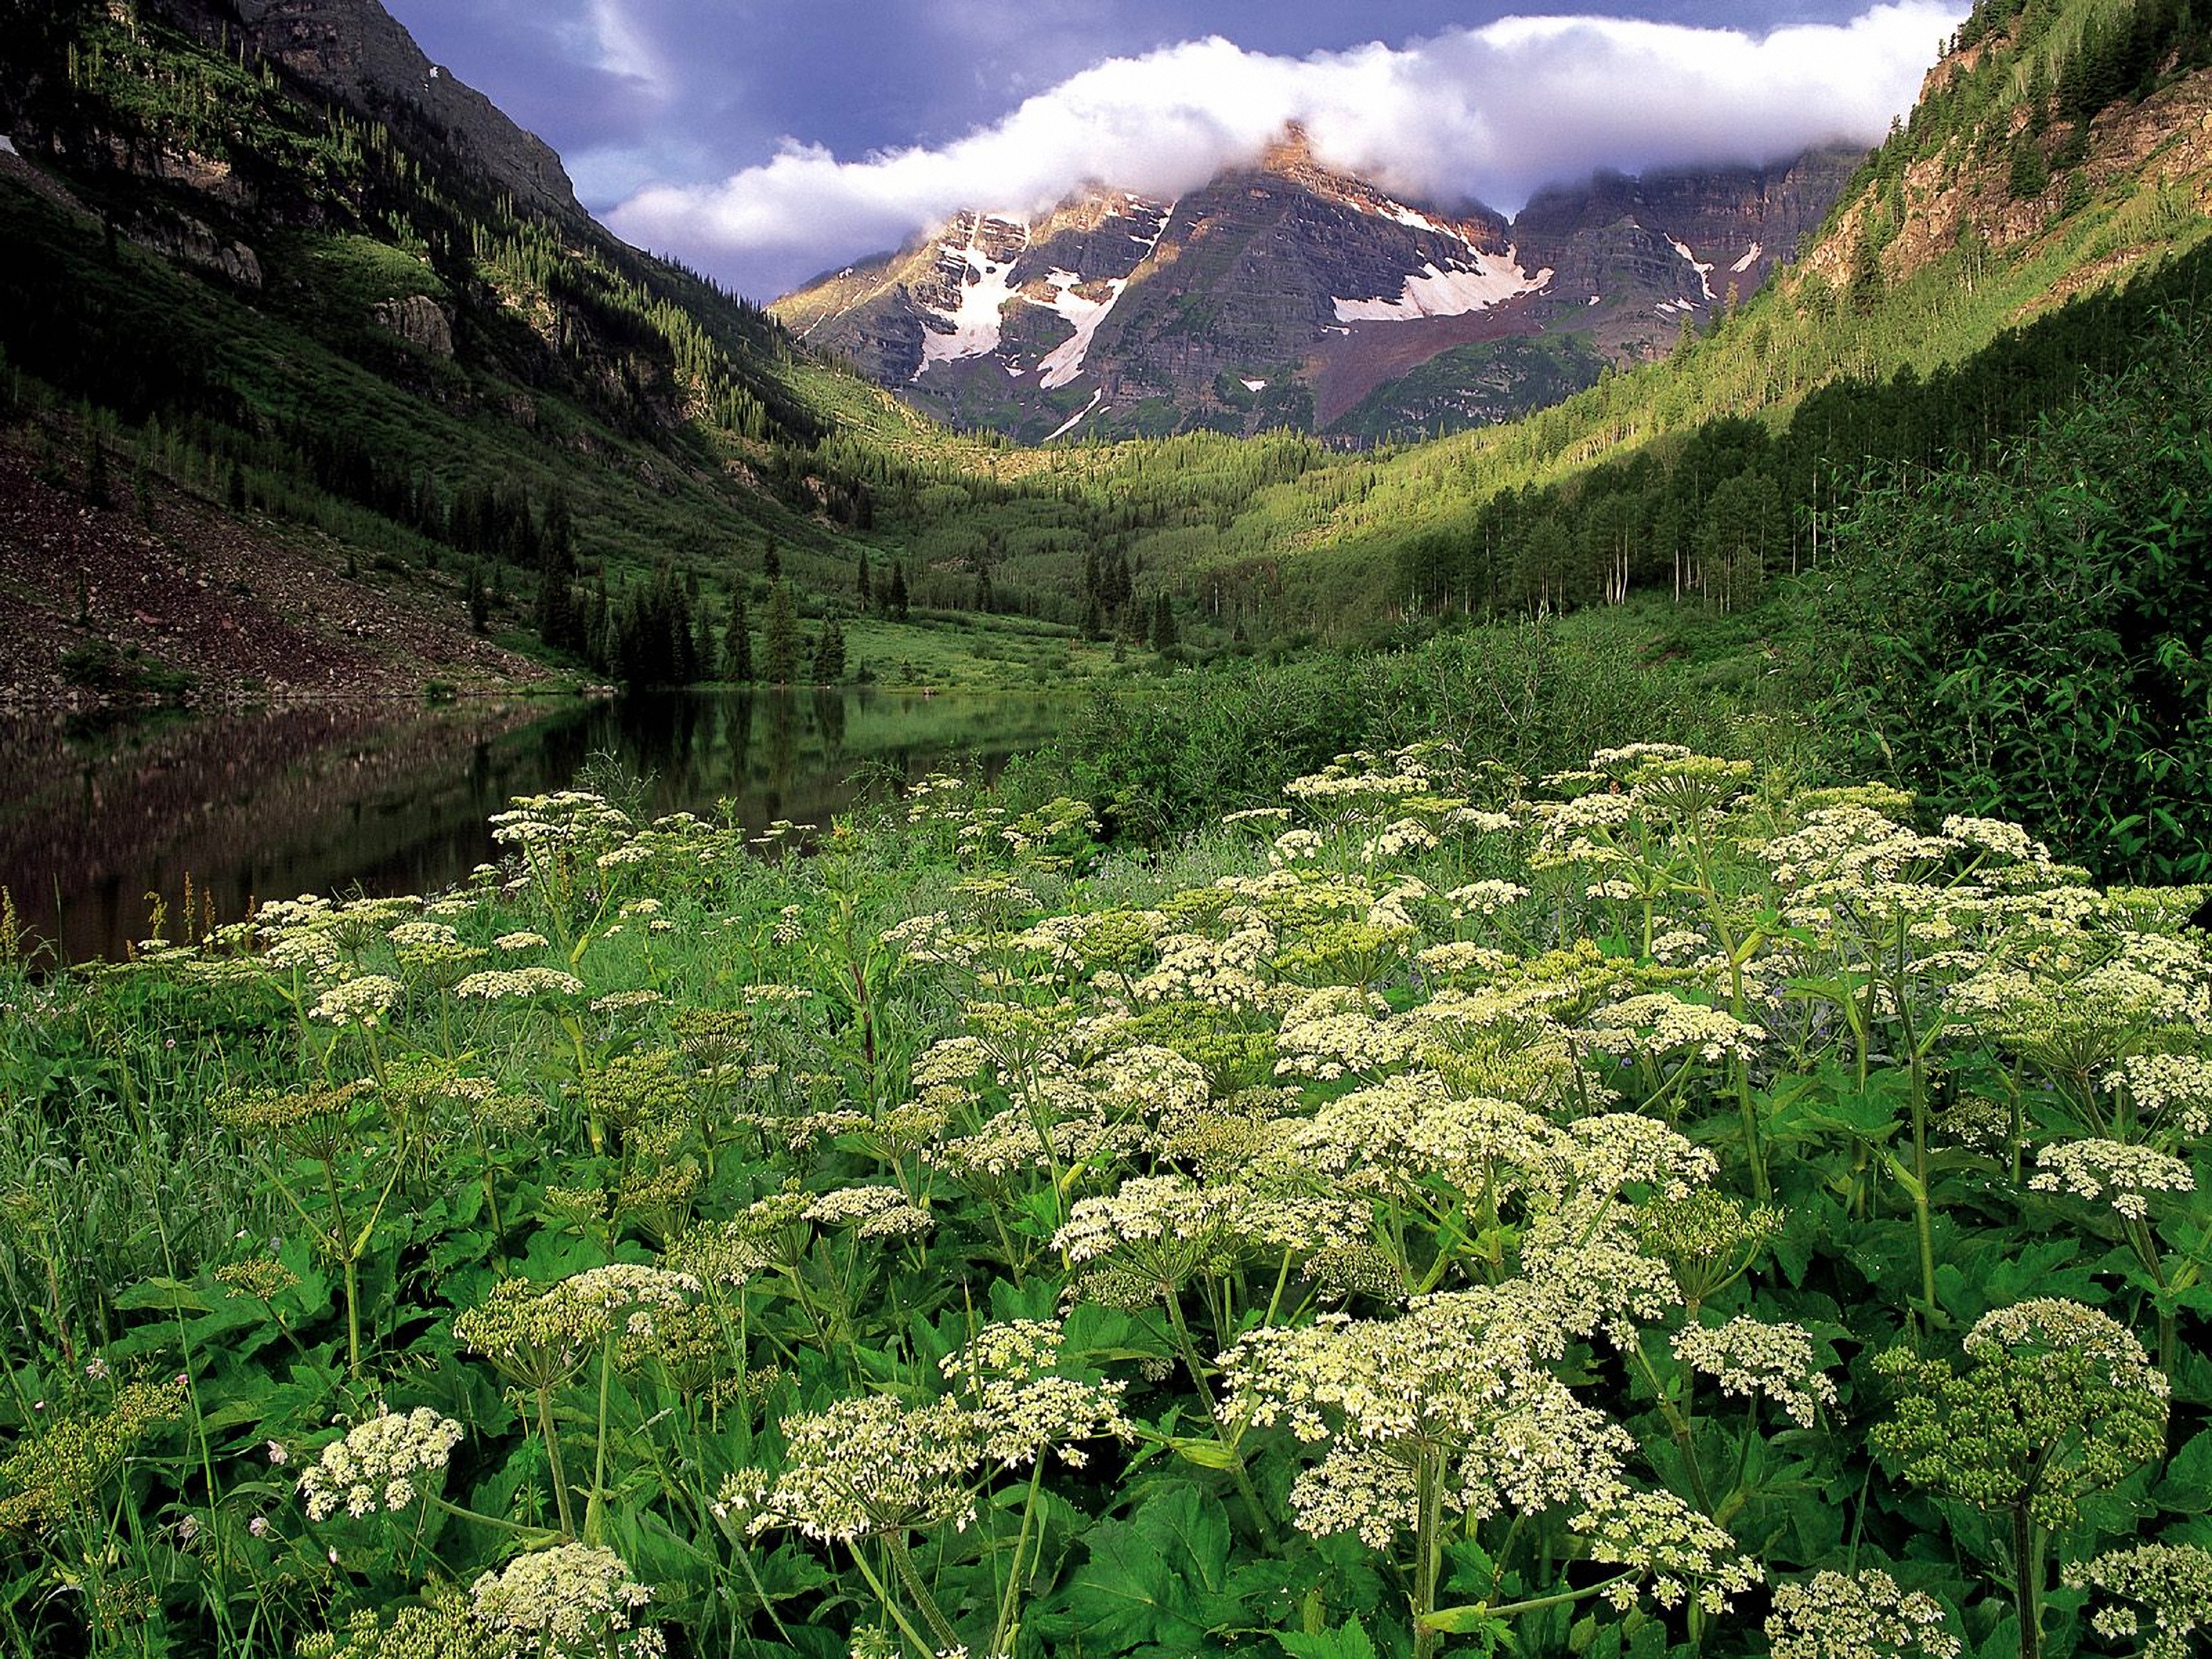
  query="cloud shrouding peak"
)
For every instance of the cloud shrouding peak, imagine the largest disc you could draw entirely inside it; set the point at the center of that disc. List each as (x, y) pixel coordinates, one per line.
(1487, 114)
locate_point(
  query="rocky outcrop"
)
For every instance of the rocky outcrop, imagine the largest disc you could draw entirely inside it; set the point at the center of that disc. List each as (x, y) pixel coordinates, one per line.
(419, 321)
(192, 242)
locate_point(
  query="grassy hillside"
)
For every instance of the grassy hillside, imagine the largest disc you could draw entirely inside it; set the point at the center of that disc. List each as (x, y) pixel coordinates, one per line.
(295, 311)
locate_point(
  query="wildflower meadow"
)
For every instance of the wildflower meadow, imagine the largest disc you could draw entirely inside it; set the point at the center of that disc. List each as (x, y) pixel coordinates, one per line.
(1658, 1209)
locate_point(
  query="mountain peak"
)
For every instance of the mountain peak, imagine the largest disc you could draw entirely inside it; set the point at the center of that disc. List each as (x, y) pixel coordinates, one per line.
(1290, 153)
(1289, 293)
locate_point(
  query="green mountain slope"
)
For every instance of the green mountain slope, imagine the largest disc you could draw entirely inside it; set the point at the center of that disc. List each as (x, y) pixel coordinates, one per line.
(256, 272)
(1942, 251)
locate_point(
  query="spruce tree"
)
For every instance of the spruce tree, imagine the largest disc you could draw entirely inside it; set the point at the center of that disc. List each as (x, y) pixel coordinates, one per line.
(779, 638)
(896, 604)
(737, 643)
(772, 563)
(829, 654)
(1164, 637)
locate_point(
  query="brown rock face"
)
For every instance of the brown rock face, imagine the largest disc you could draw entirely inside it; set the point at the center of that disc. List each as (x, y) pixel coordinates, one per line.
(1285, 294)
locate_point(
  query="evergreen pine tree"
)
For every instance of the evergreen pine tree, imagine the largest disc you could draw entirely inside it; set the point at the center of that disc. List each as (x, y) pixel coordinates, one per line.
(95, 465)
(829, 654)
(737, 643)
(706, 656)
(896, 602)
(779, 638)
(772, 563)
(1164, 637)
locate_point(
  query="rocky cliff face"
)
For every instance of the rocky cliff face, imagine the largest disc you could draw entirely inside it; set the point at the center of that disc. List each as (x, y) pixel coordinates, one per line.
(358, 54)
(1288, 295)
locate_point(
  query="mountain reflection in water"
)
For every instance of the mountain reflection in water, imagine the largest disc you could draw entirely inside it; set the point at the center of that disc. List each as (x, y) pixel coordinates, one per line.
(275, 802)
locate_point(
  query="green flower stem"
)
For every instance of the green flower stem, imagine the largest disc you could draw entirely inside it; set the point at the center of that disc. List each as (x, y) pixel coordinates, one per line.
(1282, 1282)
(1003, 1630)
(909, 1579)
(1681, 1425)
(534, 1537)
(884, 1599)
(1428, 1554)
(2141, 1240)
(2027, 1581)
(1761, 1188)
(1198, 1378)
(1538, 1603)
(554, 1465)
(595, 1509)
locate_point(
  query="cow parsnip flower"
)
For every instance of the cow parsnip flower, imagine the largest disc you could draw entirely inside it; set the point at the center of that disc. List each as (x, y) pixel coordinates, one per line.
(1751, 1358)
(2121, 1176)
(2057, 1399)
(2171, 1585)
(1858, 1615)
(446, 1627)
(1679, 1552)
(1707, 1239)
(53, 1477)
(1339, 1031)
(1657, 1025)
(519, 984)
(2172, 1092)
(376, 1465)
(878, 1463)
(571, 1601)
(1163, 1231)
(870, 1213)
(361, 1002)
(541, 1334)
(1460, 1383)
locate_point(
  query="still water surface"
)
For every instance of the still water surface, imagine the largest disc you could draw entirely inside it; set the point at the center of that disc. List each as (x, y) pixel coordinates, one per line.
(279, 802)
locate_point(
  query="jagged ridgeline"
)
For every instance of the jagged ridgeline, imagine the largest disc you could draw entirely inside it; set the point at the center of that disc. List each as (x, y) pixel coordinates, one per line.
(274, 249)
(1942, 305)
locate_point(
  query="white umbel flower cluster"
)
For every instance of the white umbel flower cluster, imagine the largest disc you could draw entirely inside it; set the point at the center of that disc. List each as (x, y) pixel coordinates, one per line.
(375, 1467)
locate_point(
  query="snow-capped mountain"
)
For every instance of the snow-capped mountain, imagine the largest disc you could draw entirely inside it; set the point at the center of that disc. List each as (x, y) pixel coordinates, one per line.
(1287, 294)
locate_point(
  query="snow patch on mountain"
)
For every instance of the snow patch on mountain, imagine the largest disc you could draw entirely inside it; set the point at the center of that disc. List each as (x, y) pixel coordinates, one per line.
(1705, 271)
(1433, 291)
(1065, 362)
(1749, 260)
(1079, 417)
(1256, 386)
(974, 326)
(1083, 314)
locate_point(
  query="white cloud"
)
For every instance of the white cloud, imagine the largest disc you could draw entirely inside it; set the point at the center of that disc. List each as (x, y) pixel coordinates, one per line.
(1489, 113)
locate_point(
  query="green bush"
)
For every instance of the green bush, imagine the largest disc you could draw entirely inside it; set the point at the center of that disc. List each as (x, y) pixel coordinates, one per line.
(2033, 633)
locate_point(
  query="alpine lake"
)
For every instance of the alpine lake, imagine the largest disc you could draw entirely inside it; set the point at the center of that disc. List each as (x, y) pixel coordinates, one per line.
(102, 821)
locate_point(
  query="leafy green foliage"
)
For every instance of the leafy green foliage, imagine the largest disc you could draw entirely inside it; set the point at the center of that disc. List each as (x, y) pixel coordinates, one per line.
(2031, 632)
(1659, 1174)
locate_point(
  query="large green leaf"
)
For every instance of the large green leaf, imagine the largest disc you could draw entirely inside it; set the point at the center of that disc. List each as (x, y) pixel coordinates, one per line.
(1160, 1577)
(1352, 1642)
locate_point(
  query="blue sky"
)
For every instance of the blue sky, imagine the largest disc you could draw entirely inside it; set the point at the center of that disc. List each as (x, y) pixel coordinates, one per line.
(767, 140)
